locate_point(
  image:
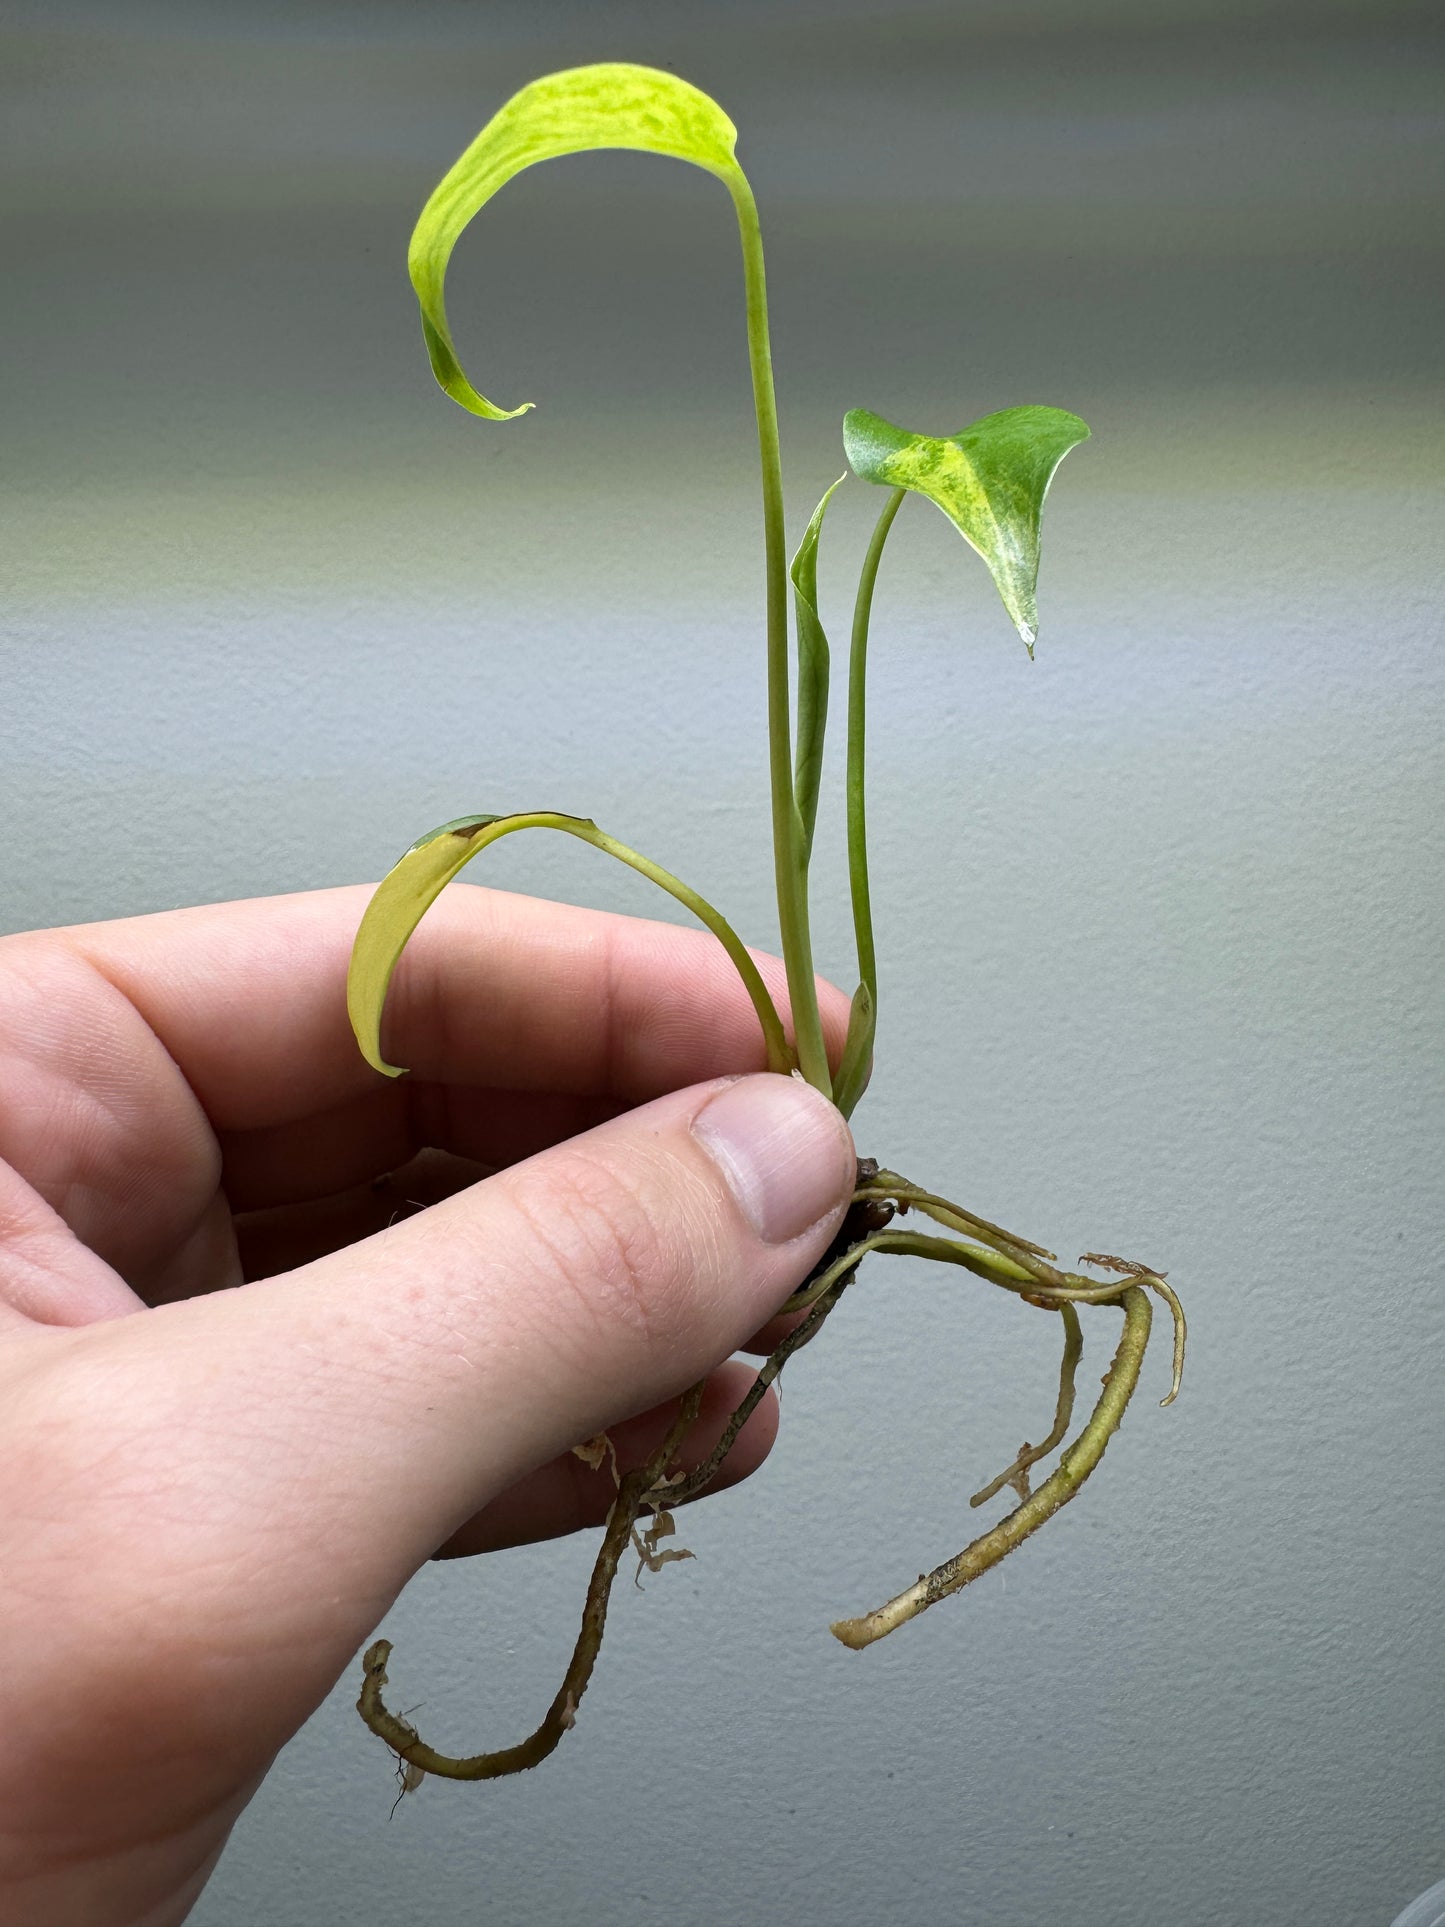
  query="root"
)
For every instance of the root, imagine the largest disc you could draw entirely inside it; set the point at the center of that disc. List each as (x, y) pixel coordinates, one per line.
(1017, 1474)
(986, 1250)
(830, 1278)
(561, 1715)
(1157, 1281)
(692, 1483)
(1056, 1491)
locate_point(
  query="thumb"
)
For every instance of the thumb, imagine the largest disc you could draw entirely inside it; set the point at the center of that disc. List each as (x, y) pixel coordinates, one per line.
(470, 1344)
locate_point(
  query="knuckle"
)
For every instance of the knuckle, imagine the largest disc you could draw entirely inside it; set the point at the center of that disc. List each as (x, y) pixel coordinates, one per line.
(615, 1255)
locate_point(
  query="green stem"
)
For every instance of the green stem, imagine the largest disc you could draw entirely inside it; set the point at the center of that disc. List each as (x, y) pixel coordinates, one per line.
(788, 861)
(857, 718)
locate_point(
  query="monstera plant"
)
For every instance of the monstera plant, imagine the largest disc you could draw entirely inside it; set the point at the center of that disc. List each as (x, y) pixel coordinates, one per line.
(990, 480)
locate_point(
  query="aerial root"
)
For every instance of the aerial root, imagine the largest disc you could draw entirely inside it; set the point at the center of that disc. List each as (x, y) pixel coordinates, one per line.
(1077, 1463)
(1016, 1263)
(696, 1481)
(1156, 1281)
(1017, 1474)
(401, 1736)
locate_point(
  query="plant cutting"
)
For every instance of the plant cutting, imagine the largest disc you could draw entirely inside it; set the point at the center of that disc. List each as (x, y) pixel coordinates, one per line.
(990, 480)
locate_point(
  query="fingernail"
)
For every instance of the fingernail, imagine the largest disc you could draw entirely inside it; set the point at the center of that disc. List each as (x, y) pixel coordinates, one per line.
(784, 1150)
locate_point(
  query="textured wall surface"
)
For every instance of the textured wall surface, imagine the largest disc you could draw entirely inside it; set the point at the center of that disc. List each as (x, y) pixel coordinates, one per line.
(1160, 914)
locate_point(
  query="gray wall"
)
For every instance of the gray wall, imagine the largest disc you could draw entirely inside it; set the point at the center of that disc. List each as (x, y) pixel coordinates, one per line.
(1160, 913)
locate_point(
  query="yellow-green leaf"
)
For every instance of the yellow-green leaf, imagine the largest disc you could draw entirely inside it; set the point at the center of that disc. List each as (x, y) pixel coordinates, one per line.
(990, 480)
(611, 105)
(400, 901)
(410, 887)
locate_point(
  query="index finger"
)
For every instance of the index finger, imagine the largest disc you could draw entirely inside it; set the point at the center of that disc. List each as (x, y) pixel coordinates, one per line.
(494, 991)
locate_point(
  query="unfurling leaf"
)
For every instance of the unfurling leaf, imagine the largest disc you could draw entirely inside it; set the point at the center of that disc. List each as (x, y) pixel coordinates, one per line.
(813, 665)
(856, 1066)
(990, 480)
(611, 105)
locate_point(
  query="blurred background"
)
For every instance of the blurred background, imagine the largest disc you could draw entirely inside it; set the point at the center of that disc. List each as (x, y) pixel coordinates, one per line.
(1159, 914)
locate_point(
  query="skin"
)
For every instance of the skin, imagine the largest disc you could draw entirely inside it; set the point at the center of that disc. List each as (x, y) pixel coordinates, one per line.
(247, 1387)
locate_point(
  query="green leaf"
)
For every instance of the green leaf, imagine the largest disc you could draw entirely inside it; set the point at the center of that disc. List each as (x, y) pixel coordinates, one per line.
(813, 665)
(990, 480)
(410, 887)
(612, 105)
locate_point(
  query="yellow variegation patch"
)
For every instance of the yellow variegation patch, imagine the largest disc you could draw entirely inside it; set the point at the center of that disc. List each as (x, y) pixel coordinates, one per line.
(990, 480)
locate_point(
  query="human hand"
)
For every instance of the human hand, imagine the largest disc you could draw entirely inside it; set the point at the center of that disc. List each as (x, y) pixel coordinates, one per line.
(211, 1490)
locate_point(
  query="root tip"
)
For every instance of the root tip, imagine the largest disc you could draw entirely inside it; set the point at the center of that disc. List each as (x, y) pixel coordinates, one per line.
(852, 1633)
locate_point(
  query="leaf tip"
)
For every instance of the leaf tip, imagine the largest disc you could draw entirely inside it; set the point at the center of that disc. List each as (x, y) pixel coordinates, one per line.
(365, 1025)
(465, 396)
(369, 1043)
